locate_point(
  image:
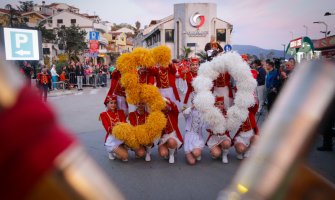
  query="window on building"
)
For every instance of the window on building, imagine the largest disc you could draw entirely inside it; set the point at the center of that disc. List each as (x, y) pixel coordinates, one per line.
(73, 21)
(169, 35)
(154, 38)
(221, 35)
(59, 21)
(50, 21)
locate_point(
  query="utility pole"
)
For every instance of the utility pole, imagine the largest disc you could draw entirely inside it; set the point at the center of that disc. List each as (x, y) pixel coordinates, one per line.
(284, 51)
(306, 30)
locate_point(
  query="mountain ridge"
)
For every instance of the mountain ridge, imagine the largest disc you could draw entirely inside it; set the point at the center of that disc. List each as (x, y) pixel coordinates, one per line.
(258, 51)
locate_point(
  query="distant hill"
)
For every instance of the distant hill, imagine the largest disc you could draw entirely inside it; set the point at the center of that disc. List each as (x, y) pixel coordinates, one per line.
(253, 50)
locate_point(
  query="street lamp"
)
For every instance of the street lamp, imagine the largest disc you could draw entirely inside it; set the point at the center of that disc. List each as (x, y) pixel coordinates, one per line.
(320, 22)
(328, 13)
(306, 29)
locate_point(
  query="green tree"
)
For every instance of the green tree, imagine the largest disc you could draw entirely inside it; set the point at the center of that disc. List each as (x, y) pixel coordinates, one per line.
(47, 35)
(186, 52)
(137, 26)
(202, 55)
(72, 39)
(122, 25)
(14, 17)
(25, 6)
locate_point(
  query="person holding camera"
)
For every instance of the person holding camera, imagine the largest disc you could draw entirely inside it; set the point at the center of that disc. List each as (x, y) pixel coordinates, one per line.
(213, 48)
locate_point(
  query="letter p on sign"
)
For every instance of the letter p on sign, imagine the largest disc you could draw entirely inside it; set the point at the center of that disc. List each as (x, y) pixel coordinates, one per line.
(20, 39)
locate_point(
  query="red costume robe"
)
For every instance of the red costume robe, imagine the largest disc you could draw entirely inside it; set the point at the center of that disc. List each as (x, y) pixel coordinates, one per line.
(116, 87)
(222, 81)
(172, 121)
(145, 76)
(189, 76)
(250, 123)
(165, 78)
(110, 119)
(44, 79)
(136, 119)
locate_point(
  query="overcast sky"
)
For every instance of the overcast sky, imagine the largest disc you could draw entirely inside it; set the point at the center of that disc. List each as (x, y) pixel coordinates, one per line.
(263, 23)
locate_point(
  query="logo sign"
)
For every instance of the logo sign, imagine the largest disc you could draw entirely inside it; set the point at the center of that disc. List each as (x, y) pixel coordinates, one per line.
(94, 35)
(296, 43)
(227, 47)
(94, 46)
(21, 44)
(197, 33)
(197, 20)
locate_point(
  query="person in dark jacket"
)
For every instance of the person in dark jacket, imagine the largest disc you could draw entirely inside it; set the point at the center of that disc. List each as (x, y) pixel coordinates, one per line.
(260, 83)
(79, 74)
(272, 83)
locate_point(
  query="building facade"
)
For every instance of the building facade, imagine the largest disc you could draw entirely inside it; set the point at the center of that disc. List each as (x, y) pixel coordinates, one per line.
(191, 25)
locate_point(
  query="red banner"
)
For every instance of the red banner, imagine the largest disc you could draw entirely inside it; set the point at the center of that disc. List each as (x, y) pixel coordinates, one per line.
(94, 46)
(324, 42)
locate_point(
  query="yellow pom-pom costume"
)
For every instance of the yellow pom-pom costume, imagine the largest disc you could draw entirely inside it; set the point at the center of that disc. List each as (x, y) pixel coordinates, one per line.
(162, 55)
(145, 134)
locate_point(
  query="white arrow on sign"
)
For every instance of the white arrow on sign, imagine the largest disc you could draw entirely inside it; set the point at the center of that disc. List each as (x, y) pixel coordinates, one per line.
(22, 52)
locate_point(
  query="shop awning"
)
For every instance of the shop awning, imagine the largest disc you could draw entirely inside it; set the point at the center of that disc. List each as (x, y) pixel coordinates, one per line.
(302, 44)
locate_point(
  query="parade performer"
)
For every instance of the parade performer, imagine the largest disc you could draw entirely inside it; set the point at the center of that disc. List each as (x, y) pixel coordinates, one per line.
(117, 89)
(44, 79)
(189, 76)
(248, 132)
(182, 68)
(246, 135)
(165, 74)
(145, 76)
(136, 118)
(193, 141)
(109, 119)
(219, 143)
(171, 139)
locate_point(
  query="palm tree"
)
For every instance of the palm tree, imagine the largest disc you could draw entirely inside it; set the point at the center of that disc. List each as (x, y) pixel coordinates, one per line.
(202, 55)
(186, 52)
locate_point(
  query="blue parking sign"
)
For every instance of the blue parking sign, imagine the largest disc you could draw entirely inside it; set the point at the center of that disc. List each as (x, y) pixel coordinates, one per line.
(21, 44)
(94, 35)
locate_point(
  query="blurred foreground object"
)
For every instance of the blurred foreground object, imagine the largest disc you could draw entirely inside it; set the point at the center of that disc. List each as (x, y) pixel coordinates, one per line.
(276, 170)
(38, 159)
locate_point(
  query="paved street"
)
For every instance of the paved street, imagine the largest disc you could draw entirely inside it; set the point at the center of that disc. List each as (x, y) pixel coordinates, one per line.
(157, 179)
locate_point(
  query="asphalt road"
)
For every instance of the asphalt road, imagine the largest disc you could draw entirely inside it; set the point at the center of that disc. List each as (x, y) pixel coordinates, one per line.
(157, 179)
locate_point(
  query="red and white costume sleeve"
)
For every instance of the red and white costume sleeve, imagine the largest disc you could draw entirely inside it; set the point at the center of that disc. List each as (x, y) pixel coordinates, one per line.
(117, 89)
(222, 87)
(171, 130)
(166, 82)
(190, 90)
(137, 119)
(248, 129)
(109, 119)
